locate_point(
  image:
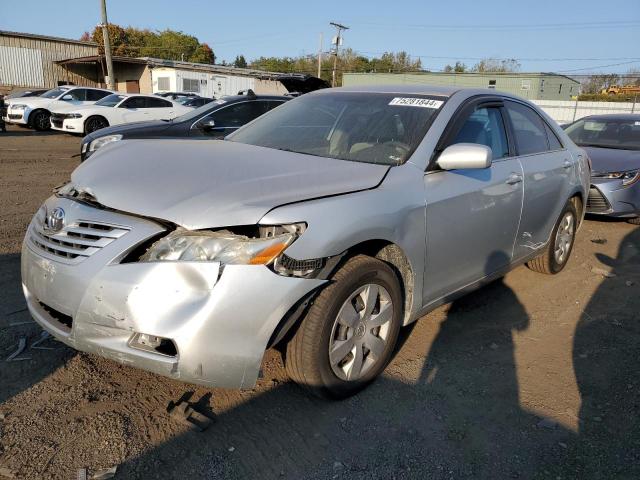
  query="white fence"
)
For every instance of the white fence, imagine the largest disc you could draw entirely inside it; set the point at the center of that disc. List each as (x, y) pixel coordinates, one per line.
(566, 111)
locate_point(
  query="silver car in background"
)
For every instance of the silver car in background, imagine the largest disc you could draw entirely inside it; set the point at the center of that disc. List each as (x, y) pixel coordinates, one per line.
(321, 228)
(612, 143)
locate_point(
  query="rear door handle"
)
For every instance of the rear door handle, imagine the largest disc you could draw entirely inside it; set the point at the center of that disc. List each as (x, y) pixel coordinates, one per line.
(566, 164)
(514, 179)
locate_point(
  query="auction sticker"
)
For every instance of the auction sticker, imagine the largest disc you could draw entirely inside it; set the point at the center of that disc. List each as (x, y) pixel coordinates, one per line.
(416, 102)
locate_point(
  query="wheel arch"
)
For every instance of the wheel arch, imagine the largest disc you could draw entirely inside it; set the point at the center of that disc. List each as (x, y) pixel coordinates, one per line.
(579, 203)
(383, 250)
(33, 113)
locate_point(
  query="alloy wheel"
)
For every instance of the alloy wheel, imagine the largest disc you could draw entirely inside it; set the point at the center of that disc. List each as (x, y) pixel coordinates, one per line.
(564, 238)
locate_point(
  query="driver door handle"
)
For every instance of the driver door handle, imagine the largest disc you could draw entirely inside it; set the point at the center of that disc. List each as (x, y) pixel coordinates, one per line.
(566, 164)
(514, 179)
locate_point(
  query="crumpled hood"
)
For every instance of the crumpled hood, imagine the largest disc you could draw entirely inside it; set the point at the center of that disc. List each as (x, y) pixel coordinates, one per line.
(215, 183)
(612, 159)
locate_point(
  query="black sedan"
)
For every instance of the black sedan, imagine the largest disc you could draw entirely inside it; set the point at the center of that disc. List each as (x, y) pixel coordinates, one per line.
(216, 119)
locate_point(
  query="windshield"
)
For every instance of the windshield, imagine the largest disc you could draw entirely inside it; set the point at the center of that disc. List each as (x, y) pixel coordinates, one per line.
(54, 93)
(198, 112)
(606, 133)
(382, 128)
(110, 100)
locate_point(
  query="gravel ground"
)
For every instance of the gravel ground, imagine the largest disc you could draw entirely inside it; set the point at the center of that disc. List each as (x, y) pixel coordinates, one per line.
(530, 377)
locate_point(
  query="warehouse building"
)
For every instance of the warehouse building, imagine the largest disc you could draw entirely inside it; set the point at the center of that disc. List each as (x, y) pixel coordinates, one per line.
(533, 86)
(38, 61)
(28, 60)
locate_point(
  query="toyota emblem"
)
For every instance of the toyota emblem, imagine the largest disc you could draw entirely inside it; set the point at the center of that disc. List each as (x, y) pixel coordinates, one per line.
(54, 221)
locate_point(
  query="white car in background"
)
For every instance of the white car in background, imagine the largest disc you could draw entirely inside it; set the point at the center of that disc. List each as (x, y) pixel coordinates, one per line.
(35, 112)
(115, 109)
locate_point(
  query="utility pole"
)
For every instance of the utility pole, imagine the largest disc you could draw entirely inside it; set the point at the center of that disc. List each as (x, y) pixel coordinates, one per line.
(107, 46)
(337, 41)
(320, 57)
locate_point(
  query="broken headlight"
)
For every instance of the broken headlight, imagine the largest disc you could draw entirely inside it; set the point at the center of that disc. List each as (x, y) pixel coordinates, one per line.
(220, 246)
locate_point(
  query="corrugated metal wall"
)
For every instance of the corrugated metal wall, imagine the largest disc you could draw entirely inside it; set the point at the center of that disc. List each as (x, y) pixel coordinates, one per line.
(20, 64)
(531, 87)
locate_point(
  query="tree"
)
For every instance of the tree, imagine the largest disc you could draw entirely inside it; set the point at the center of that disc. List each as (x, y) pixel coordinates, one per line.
(240, 62)
(597, 83)
(495, 65)
(459, 67)
(167, 44)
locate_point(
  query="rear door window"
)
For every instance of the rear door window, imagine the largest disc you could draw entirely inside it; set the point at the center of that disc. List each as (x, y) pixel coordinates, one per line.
(95, 95)
(528, 128)
(153, 102)
(134, 102)
(554, 141)
(238, 114)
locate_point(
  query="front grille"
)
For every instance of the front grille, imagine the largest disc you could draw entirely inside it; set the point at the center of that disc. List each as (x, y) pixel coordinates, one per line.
(57, 119)
(596, 202)
(15, 116)
(75, 241)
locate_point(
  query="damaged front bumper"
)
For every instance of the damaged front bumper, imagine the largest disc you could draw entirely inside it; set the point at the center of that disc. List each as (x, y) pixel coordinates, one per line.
(219, 319)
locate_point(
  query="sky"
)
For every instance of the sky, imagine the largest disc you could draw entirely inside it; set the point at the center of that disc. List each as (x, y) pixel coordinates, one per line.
(573, 36)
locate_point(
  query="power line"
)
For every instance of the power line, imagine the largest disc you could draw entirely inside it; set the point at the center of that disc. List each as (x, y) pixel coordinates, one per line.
(541, 26)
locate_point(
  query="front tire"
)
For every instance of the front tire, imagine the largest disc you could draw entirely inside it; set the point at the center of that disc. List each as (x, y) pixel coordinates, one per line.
(558, 251)
(635, 220)
(349, 333)
(41, 120)
(94, 123)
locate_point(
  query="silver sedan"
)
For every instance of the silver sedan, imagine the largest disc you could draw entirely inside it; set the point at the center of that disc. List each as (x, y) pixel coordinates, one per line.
(321, 228)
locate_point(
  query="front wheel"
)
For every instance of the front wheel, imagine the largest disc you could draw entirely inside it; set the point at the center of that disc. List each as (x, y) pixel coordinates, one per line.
(635, 220)
(94, 123)
(41, 120)
(349, 334)
(557, 253)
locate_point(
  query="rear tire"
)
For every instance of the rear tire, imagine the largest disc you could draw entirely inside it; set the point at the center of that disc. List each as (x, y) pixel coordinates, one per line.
(41, 120)
(349, 333)
(94, 123)
(560, 246)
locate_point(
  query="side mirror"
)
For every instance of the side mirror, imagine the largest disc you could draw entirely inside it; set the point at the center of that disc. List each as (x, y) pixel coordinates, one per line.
(208, 125)
(462, 156)
(67, 98)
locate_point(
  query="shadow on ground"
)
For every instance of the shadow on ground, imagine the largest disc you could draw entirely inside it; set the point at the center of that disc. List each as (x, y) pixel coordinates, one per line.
(15, 322)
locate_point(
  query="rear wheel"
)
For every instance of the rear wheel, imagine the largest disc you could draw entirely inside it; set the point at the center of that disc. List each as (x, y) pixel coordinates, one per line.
(557, 253)
(94, 123)
(349, 333)
(41, 120)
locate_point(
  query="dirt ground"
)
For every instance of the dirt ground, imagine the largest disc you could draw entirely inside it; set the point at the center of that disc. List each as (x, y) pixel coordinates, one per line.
(530, 377)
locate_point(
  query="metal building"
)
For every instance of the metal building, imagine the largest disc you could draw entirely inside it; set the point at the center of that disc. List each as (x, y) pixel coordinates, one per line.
(533, 86)
(28, 60)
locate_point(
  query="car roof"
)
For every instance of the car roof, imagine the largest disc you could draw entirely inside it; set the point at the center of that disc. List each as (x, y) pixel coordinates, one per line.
(614, 116)
(235, 98)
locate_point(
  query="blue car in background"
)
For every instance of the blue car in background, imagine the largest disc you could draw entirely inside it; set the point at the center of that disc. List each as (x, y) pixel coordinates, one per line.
(613, 144)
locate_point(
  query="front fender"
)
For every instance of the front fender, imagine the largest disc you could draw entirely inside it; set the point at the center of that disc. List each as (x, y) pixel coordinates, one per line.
(393, 212)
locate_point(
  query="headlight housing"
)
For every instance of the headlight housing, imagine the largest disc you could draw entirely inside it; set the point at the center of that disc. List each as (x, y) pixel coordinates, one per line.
(102, 141)
(628, 178)
(19, 106)
(220, 246)
(74, 115)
